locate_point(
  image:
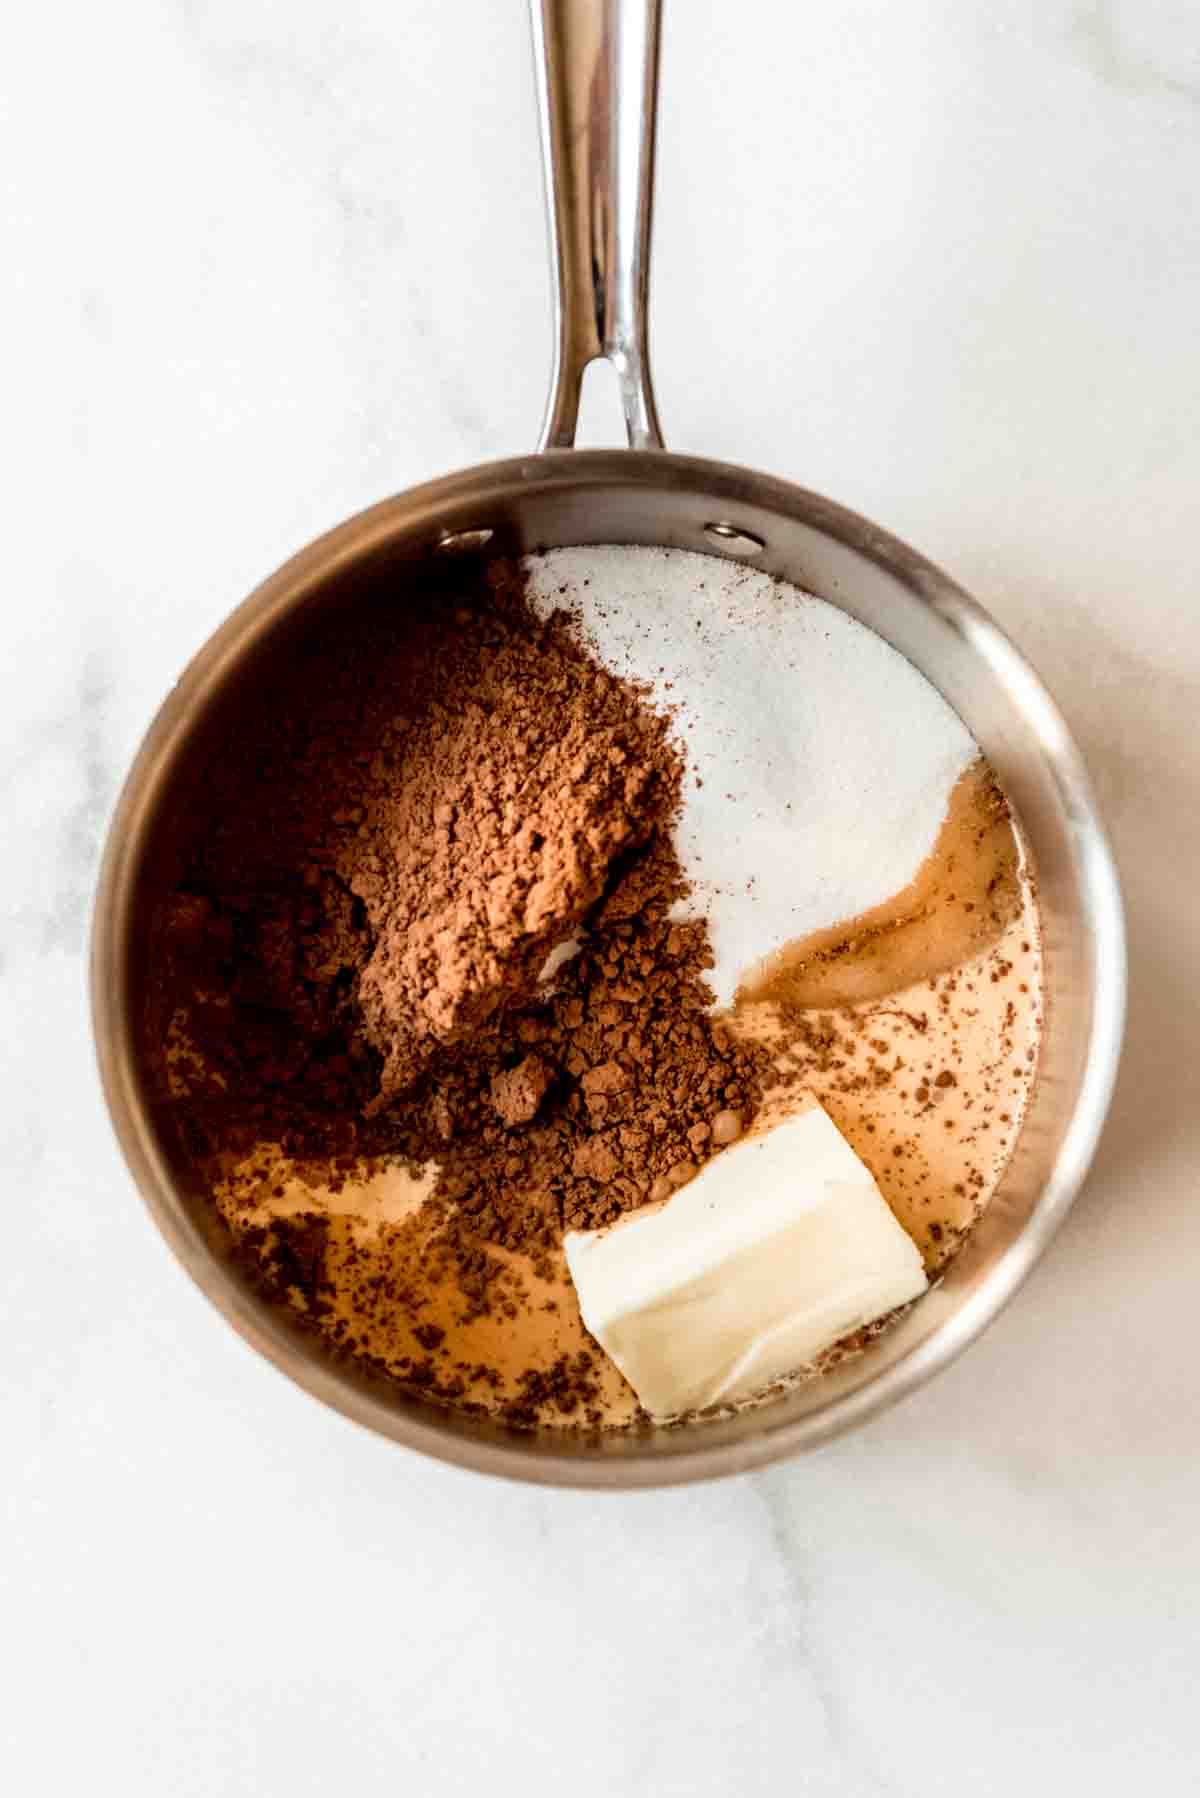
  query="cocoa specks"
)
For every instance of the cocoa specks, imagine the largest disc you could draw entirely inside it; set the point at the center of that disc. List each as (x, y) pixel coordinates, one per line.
(569, 1386)
(289, 1258)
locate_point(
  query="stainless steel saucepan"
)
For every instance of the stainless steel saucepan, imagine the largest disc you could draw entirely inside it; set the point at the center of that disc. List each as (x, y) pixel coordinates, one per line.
(598, 65)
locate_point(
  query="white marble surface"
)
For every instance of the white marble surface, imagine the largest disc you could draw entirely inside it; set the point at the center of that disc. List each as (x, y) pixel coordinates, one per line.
(267, 263)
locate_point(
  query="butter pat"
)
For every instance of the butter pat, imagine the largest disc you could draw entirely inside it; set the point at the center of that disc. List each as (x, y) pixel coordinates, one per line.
(781, 1245)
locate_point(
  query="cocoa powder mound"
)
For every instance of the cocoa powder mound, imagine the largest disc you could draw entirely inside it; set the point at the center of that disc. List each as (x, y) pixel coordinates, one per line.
(489, 825)
(426, 800)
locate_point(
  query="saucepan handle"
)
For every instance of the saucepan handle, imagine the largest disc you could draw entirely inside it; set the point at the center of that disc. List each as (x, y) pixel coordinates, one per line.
(597, 73)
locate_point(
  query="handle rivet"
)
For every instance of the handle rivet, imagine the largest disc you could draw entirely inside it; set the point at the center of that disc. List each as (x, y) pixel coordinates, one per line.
(736, 542)
(452, 543)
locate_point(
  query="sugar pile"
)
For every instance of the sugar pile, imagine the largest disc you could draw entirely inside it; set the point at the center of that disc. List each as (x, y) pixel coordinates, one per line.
(819, 761)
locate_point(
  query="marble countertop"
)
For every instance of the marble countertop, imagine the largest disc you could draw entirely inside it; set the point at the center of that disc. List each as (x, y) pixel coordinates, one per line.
(268, 264)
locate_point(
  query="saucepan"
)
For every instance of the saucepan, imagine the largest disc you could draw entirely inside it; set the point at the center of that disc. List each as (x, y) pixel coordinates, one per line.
(597, 62)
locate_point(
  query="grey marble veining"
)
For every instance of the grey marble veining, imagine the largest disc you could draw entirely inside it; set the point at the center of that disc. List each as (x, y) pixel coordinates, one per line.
(268, 264)
(1139, 49)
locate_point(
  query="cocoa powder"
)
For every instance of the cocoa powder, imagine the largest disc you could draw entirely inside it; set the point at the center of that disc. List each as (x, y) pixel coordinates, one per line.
(628, 1071)
(426, 801)
(488, 824)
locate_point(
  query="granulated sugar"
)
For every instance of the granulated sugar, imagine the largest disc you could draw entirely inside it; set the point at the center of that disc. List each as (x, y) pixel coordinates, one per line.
(819, 761)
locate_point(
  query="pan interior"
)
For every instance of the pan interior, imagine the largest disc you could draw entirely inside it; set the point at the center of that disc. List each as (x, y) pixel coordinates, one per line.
(603, 498)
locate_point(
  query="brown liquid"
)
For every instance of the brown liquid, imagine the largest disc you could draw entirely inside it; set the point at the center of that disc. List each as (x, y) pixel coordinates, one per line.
(917, 1024)
(391, 1294)
(964, 896)
(929, 1085)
